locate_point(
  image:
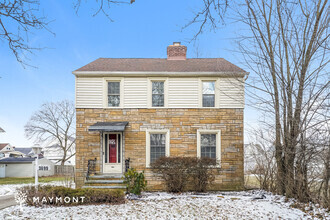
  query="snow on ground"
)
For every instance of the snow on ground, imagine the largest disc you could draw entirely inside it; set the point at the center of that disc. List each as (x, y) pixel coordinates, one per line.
(233, 205)
(10, 189)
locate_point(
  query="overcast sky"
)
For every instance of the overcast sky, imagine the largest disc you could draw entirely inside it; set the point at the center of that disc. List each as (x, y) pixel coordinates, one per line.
(141, 30)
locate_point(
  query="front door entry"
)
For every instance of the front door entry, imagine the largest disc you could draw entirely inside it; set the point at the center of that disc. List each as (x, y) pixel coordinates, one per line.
(112, 153)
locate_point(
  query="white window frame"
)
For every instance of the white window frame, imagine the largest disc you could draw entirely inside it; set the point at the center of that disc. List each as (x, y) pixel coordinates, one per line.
(167, 144)
(218, 143)
(149, 99)
(216, 91)
(105, 91)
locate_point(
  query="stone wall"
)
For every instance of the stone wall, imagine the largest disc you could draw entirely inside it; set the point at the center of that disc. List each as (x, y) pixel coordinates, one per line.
(183, 125)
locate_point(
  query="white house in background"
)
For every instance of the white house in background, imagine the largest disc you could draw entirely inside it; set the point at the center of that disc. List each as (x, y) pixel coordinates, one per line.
(5, 148)
(24, 167)
(53, 152)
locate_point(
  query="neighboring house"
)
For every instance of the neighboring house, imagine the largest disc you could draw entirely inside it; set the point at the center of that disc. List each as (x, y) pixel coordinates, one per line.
(54, 152)
(24, 167)
(143, 109)
(5, 149)
(1, 130)
(26, 151)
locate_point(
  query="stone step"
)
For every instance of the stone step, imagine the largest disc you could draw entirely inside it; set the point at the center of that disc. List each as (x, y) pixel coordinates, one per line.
(104, 181)
(105, 187)
(107, 176)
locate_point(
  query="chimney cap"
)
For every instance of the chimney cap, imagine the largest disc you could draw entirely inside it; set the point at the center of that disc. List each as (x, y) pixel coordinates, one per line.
(176, 43)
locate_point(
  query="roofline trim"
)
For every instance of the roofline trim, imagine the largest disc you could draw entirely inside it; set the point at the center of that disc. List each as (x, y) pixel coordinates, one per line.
(155, 73)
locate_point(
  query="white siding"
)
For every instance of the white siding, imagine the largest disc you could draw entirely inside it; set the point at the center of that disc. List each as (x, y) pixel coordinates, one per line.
(89, 92)
(231, 92)
(183, 92)
(135, 92)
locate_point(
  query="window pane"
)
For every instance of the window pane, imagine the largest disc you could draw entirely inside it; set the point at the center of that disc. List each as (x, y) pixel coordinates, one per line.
(157, 100)
(208, 100)
(208, 145)
(208, 88)
(113, 88)
(157, 146)
(157, 87)
(113, 100)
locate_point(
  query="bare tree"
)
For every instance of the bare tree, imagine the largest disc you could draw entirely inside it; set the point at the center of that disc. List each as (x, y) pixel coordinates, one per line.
(103, 6)
(18, 20)
(54, 122)
(286, 46)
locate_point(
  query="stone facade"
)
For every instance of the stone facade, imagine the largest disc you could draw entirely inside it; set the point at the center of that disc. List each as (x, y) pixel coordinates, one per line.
(183, 125)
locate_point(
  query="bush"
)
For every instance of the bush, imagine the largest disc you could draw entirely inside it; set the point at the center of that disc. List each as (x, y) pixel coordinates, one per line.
(135, 182)
(174, 171)
(62, 196)
(177, 172)
(202, 173)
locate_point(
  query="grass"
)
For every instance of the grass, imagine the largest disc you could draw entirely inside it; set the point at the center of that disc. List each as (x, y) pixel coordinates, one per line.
(20, 180)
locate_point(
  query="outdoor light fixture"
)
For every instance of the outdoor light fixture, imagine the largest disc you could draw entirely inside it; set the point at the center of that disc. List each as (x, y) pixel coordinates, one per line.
(37, 151)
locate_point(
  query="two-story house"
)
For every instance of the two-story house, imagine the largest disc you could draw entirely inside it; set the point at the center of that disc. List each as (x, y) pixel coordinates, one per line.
(143, 109)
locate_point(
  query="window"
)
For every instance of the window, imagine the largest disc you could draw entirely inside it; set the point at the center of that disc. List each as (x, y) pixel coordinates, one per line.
(157, 93)
(208, 94)
(208, 144)
(113, 94)
(157, 145)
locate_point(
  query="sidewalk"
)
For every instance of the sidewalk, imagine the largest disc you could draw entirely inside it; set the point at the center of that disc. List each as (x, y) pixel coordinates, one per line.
(7, 201)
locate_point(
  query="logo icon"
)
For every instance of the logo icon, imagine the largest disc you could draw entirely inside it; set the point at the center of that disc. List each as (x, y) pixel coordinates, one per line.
(20, 198)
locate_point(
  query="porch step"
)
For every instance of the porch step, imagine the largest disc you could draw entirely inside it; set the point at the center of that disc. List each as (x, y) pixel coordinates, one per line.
(104, 181)
(105, 187)
(106, 176)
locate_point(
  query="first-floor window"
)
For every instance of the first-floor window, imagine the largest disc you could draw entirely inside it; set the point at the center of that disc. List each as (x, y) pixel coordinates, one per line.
(157, 145)
(208, 144)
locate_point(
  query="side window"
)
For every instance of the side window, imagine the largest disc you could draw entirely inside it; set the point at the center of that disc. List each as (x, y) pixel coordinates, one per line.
(113, 94)
(208, 145)
(157, 93)
(208, 94)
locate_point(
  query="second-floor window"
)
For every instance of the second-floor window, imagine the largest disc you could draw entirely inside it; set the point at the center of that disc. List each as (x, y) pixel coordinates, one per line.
(208, 94)
(158, 94)
(113, 94)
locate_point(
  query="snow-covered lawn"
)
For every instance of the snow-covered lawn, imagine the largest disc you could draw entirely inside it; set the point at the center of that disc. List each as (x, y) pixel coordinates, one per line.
(10, 189)
(233, 205)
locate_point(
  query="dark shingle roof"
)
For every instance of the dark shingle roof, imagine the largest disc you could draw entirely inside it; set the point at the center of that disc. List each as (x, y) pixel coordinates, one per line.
(1, 130)
(161, 65)
(17, 160)
(24, 150)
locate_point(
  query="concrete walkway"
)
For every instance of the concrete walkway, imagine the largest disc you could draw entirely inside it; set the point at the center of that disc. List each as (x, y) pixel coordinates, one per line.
(7, 201)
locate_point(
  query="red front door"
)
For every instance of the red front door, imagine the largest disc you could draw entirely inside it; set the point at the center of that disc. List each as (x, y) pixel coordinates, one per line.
(113, 148)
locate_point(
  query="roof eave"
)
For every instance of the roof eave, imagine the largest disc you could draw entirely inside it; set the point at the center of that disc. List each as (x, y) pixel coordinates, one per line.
(155, 73)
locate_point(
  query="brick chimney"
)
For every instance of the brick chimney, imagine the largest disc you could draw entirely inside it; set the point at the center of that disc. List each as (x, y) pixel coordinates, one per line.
(176, 51)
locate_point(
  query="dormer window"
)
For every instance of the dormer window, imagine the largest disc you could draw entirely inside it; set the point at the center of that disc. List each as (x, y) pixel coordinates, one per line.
(113, 94)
